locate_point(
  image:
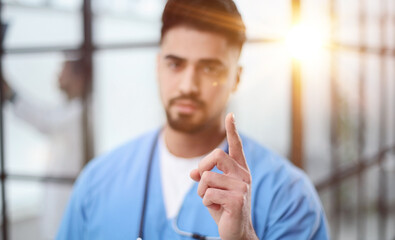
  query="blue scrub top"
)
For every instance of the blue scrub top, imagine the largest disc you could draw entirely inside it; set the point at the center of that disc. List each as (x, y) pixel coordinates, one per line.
(107, 199)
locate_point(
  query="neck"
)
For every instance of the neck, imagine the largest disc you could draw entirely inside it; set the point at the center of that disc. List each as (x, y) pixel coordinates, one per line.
(187, 145)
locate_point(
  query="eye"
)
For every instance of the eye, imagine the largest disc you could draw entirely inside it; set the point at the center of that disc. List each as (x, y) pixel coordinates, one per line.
(174, 64)
(211, 69)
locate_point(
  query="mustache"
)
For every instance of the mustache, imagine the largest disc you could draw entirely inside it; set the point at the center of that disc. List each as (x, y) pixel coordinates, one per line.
(191, 98)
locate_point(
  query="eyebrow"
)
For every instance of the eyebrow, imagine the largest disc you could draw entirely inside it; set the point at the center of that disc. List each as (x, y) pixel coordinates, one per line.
(173, 57)
(213, 61)
(204, 60)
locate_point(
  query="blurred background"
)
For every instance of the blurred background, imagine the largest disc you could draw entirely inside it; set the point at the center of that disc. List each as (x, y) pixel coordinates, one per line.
(318, 87)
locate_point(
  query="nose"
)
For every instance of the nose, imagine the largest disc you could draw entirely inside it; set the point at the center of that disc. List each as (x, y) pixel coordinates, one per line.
(189, 84)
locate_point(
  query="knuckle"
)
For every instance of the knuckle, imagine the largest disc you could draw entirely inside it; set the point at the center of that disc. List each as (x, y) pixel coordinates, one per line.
(218, 153)
(221, 165)
(245, 187)
(246, 176)
(205, 176)
(240, 200)
(225, 165)
(248, 179)
(209, 193)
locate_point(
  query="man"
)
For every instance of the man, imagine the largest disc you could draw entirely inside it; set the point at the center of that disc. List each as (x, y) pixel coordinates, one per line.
(242, 191)
(63, 126)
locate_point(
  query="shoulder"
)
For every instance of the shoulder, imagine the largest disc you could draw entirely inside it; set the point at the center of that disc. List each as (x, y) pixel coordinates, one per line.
(264, 163)
(283, 195)
(100, 171)
(117, 157)
(102, 177)
(273, 172)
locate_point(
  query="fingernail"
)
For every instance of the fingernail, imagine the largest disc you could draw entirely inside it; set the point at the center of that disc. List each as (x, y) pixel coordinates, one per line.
(233, 118)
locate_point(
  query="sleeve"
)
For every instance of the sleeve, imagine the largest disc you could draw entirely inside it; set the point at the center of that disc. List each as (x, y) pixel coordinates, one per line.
(74, 220)
(295, 211)
(43, 118)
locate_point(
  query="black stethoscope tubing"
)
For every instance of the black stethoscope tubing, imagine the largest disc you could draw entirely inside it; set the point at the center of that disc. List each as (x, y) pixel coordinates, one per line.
(147, 178)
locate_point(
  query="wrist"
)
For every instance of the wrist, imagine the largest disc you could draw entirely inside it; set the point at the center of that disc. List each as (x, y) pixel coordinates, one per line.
(250, 233)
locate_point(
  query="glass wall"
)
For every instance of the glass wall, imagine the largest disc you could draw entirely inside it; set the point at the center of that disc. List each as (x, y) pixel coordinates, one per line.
(34, 142)
(342, 98)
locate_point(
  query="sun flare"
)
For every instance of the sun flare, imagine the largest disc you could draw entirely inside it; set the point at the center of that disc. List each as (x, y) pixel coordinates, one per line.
(305, 41)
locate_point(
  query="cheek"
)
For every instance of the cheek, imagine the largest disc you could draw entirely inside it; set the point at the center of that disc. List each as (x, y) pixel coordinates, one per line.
(217, 98)
(166, 89)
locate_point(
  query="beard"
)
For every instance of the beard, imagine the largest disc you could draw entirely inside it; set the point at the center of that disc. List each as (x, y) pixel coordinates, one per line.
(183, 123)
(187, 123)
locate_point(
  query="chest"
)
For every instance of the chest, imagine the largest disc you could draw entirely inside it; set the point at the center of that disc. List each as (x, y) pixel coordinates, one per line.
(117, 212)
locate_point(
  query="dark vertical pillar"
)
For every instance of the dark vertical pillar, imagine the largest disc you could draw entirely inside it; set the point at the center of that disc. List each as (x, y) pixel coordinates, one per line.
(393, 56)
(87, 53)
(393, 99)
(382, 188)
(297, 146)
(335, 160)
(4, 226)
(361, 203)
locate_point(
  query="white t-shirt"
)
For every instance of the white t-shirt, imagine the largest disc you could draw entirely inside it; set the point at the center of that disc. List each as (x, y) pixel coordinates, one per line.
(175, 177)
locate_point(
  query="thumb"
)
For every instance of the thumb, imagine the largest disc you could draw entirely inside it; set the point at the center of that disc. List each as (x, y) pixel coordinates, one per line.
(234, 141)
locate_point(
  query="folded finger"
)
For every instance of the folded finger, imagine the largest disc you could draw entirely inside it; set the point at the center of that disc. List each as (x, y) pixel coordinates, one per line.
(224, 163)
(220, 181)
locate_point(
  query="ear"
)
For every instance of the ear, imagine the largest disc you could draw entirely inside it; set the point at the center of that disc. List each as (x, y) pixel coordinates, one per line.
(238, 77)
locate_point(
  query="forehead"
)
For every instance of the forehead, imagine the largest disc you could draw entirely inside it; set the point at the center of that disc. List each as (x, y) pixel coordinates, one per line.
(195, 44)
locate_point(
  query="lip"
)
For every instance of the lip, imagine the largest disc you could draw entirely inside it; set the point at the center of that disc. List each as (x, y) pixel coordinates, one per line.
(185, 106)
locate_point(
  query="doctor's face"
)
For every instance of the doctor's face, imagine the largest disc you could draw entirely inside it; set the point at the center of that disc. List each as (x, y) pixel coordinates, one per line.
(197, 72)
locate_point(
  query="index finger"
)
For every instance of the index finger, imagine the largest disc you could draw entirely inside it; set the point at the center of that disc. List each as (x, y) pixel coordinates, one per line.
(234, 141)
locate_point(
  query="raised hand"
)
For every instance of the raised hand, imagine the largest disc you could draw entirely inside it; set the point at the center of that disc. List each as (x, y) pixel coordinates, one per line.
(227, 196)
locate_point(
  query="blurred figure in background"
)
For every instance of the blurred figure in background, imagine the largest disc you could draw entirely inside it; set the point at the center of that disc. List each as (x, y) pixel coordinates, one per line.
(63, 126)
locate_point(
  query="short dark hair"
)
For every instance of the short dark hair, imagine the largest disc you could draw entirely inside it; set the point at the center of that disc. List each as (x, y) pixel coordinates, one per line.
(219, 16)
